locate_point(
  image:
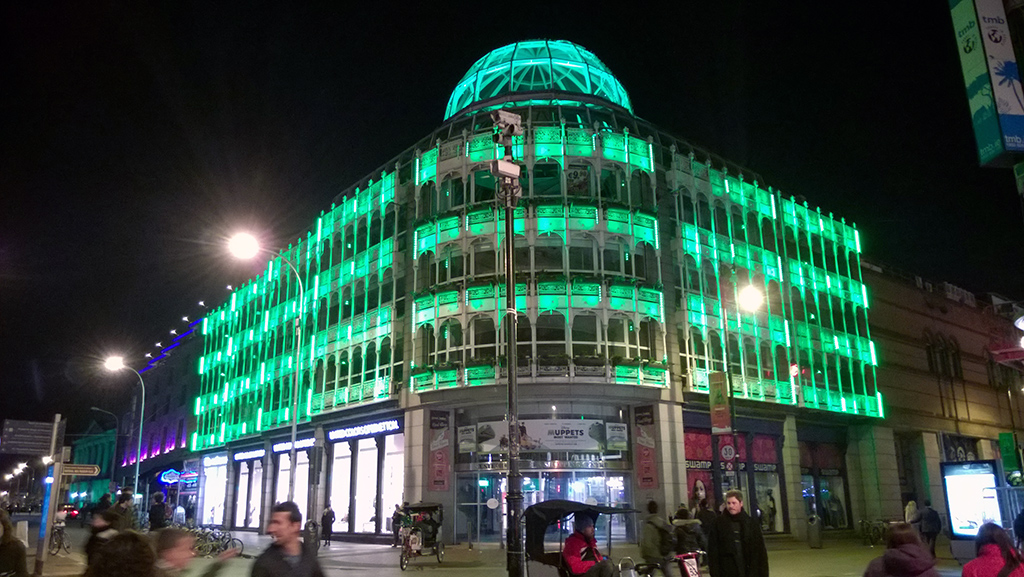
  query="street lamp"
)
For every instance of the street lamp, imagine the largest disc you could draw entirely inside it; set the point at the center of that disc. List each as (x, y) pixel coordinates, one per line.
(115, 364)
(244, 246)
(113, 452)
(748, 299)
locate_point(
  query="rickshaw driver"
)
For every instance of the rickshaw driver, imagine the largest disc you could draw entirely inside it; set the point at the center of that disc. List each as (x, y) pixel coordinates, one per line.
(580, 552)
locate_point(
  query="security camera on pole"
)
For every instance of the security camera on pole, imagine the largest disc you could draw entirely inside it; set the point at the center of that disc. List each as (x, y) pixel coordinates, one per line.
(507, 126)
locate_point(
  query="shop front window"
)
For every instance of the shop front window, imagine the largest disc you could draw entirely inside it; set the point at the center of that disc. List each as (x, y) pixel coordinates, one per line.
(255, 505)
(393, 479)
(243, 494)
(301, 479)
(341, 477)
(832, 499)
(366, 486)
(214, 486)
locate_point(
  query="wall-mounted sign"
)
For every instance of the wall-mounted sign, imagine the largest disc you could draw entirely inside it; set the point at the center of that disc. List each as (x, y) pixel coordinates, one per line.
(253, 454)
(170, 476)
(300, 444)
(367, 430)
(588, 435)
(215, 461)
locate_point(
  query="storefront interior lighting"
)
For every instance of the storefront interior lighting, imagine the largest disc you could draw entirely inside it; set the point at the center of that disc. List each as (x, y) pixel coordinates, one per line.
(300, 444)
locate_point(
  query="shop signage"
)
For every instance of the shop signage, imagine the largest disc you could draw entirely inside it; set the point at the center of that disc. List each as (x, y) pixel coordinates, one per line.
(617, 435)
(586, 435)
(367, 430)
(253, 454)
(300, 444)
(718, 397)
(170, 476)
(215, 461)
(646, 465)
(440, 450)
(698, 465)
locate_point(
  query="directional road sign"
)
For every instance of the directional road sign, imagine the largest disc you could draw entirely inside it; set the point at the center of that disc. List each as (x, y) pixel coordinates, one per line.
(80, 470)
(26, 437)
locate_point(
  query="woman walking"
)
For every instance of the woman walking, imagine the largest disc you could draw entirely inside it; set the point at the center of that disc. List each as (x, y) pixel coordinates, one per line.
(327, 525)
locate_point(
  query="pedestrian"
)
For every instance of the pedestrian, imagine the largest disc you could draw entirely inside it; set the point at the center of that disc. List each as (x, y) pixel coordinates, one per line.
(706, 517)
(1018, 529)
(158, 517)
(125, 512)
(580, 553)
(689, 536)
(12, 550)
(996, 555)
(905, 556)
(127, 554)
(656, 539)
(929, 523)
(327, 525)
(102, 530)
(174, 553)
(397, 518)
(736, 546)
(910, 511)
(286, 556)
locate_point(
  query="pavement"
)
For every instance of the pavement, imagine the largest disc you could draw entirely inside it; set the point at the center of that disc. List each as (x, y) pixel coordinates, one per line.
(842, 556)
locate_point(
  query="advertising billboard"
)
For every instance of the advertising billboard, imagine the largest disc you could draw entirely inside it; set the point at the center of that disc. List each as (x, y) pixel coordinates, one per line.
(971, 499)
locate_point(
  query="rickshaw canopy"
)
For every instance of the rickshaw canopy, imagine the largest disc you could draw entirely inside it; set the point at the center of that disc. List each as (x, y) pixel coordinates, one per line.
(540, 515)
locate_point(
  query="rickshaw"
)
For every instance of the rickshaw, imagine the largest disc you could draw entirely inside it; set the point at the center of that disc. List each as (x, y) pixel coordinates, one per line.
(538, 517)
(421, 530)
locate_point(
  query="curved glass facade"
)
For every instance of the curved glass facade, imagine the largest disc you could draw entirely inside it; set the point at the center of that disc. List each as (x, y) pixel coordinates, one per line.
(536, 66)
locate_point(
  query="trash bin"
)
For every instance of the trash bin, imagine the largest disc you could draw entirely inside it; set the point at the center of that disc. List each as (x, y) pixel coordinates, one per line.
(814, 532)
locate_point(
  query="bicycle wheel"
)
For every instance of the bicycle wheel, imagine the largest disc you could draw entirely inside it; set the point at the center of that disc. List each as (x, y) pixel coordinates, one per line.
(403, 561)
(236, 543)
(876, 535)
(54, 543)
(65, 542)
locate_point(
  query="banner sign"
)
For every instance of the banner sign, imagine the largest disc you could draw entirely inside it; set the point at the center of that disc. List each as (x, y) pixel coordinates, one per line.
(1008, 452)
(579, 435)
(718, 397)
(1002, 71)
(617, 435)
(440, 450)
(646, 447)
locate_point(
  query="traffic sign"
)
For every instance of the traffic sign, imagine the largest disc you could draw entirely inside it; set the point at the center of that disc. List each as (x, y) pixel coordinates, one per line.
(79, 470)
(26, 437)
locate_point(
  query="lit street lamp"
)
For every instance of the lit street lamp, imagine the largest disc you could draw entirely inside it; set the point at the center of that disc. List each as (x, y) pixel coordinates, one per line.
(244, 246)
(748, 299)
(114, 364)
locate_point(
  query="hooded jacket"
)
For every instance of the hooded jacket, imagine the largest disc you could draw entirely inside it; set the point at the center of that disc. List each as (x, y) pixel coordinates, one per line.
(907, 560)
(722, 559)
(989, 562)
(689, 536)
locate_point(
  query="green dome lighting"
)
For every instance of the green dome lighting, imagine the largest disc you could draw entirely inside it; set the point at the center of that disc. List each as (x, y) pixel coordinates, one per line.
(537, 66)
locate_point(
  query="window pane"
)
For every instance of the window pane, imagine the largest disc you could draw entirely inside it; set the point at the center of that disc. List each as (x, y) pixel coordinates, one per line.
(366, 485)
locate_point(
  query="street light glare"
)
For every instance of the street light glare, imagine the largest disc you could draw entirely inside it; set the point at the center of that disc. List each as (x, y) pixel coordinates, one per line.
(750, 298)
(243, 246)
(114, 363)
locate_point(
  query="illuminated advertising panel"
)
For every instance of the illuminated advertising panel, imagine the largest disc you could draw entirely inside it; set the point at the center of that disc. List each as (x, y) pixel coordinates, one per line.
(970, 496)
(1002, 70)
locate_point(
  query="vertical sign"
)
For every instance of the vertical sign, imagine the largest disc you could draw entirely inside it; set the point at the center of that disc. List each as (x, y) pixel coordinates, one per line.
(718, 397)
(1002, 70)
(1008, 452)
(440, 450)
(976, 80)
(646, 446)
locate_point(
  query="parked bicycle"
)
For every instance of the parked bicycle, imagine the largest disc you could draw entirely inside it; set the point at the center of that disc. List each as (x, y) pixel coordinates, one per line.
(59, 540)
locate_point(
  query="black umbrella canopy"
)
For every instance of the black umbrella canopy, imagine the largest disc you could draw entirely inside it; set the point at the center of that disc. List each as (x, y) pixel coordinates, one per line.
(539, 516)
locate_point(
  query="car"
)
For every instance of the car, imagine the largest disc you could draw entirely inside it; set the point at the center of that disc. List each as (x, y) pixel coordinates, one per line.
(70, 511)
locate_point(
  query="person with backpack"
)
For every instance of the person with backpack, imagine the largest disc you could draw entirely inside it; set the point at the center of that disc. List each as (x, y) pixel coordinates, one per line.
(689, 536)
(929, 523)
(159, 513)
(656, 541)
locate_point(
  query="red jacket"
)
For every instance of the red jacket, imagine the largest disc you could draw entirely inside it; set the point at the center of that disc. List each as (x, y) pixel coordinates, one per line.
(575, 548)
(988, 562)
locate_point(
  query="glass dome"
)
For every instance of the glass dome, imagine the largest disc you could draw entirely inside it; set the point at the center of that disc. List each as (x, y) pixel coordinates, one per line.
(537, 66)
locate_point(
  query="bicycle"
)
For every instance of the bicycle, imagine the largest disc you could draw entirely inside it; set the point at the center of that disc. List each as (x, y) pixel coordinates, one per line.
(313, 535)
(59, 540)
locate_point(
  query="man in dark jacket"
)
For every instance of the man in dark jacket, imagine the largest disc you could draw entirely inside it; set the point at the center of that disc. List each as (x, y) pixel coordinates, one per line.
(286, 557)
(930, 524)
(736, 546)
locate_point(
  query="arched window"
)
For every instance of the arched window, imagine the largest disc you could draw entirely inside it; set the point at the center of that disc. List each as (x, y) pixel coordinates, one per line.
(645, 262)
(547, 179)
(717, 352)
(426, 200)
(710, 279)
(387, 287)
(640, 189)
(613, 258)
(612, 185)
(622, 338)
(524, 336)
(426, 272)
(449, 346)
(550, 334)
(343, 370)
(370, 366)
(733, 357)
(585, 339)
(690, 274)
(350, 242)
(484, 338)
(782, 370)
(648, 337)
(752, 229)
(698, 351)
(325, 256)
(547, 253)
(425, 345)
(361, 236)
(484, 186)
(337, 248)
(704, 213)
(582, 253)
(375, 227)
(389, 223)
(322, 315)
(689, 212)
(721, 218)
(768, 233)
(360, 298)
(736, 224)
(372, 293)
(452, 193)
(331, 375)
(483, 259)
(346, 303)
(356, 366)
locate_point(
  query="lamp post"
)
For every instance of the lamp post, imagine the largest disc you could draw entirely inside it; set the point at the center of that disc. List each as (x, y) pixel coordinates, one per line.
(506, 126)
(245, 246)
(114, 364)
(748, 299)
(113, 452)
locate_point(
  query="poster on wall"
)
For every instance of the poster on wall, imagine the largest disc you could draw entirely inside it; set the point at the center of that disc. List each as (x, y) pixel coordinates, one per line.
(698, 469)
(574, 435)
(440, 450)
(617, 435)
(718, 397)
(467, 439)
(646, 446)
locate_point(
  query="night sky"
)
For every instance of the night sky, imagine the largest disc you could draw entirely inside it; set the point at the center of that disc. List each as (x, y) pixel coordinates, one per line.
(136, 137)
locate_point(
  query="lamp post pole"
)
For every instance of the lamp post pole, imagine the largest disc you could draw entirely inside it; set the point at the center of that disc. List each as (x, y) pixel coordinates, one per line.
(245, 246)
(506, 171)
(138, 448)
(113, 452)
